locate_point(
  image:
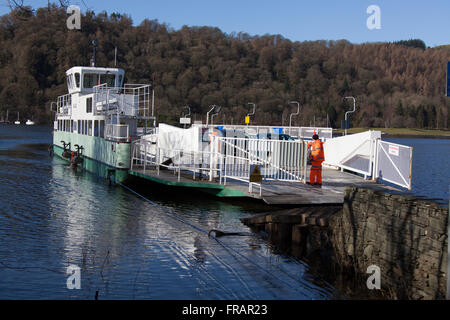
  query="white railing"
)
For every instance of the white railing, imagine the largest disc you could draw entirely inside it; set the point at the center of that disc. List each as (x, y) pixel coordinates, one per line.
(130, 100)
(227, 158)
(261, 131)
(146, 155)
(278, 160)
(117, 132)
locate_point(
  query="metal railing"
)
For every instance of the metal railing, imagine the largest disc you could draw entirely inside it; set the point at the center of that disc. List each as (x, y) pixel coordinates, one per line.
(278, 160)
(146, 155)
(295, 132)
(227, 158)
(130, 100)
(117, 132)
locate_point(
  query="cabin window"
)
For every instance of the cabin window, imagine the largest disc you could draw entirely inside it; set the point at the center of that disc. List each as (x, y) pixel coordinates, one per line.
(77, 79)
(79, 127)
(71, 125)
(88, 105)
(69, 84)
(90, 127)
(75, 127)
(102, 128)
(120, 80)
(96, 128)
(84, 126)
(109, 79)
(90, 80)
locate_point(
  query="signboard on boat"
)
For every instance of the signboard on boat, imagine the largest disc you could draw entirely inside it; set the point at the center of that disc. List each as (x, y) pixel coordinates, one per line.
(394, 150)
(185, 120)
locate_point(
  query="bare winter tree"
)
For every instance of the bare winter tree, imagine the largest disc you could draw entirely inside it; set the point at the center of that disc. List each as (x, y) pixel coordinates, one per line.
(21, 5)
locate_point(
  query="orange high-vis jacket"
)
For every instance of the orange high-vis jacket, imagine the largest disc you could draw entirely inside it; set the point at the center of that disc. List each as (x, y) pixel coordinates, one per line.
(317, 153)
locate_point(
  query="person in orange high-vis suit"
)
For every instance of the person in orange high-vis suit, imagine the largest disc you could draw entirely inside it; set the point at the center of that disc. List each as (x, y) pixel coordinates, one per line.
(317, 157)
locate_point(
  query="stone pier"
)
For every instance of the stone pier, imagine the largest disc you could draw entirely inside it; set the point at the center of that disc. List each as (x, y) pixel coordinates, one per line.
(405, 236)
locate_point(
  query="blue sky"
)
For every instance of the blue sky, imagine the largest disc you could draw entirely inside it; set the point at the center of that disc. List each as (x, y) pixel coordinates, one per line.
(294, 19)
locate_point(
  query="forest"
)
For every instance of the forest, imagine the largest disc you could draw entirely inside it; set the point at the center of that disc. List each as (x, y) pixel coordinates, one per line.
(400, 84)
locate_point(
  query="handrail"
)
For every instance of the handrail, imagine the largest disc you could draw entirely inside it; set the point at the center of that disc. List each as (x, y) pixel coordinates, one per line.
(129, 100)
(227, 159)
(295, 132)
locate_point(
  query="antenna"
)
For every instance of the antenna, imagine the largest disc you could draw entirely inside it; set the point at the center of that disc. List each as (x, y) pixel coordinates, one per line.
(115, 57)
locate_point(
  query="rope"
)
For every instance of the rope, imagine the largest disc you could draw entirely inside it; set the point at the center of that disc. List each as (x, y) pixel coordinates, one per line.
(171, 214)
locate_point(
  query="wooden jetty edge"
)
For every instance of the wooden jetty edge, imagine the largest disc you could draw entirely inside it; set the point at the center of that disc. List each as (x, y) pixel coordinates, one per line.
(276, 193)
(405, 236)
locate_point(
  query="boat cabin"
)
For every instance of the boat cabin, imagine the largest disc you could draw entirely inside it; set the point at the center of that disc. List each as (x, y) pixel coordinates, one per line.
(84, 79)
(100, 104)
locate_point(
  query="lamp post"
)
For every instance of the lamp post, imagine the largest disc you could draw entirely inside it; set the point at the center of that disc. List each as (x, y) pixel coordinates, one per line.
(346, 114)
(217, 109)
(253, 113)
(187, 115)
(293, 114)
(207, 114)
(189, 108)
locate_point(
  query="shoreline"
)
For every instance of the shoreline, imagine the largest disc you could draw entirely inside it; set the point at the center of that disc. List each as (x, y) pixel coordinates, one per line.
(401, 133)
(415, 136)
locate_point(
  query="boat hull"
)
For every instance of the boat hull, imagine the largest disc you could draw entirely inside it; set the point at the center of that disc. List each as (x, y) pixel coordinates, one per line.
(107, 159)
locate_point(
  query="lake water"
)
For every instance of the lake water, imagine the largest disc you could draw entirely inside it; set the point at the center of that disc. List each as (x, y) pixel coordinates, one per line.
(430, 166)
(127, 248)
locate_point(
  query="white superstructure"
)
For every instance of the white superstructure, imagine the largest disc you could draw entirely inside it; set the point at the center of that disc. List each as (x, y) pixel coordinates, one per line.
(99, 104)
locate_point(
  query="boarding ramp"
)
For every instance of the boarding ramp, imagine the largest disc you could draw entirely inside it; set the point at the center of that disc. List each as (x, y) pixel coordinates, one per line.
(393, 163)
(367, 155)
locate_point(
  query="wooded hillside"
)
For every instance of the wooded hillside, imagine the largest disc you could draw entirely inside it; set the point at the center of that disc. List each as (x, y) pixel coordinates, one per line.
(396, 84)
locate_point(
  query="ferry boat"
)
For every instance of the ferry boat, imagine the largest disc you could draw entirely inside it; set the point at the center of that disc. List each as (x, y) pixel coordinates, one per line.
(98, 119)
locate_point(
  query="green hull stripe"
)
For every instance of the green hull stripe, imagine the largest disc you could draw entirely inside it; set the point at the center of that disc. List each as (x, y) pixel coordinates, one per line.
(96, 167)
(214, 189)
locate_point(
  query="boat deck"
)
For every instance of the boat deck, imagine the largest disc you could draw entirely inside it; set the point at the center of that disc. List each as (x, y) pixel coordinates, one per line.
(273, 192)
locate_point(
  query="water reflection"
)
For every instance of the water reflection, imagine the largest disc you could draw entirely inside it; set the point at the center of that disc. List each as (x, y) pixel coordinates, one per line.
(52, 217)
